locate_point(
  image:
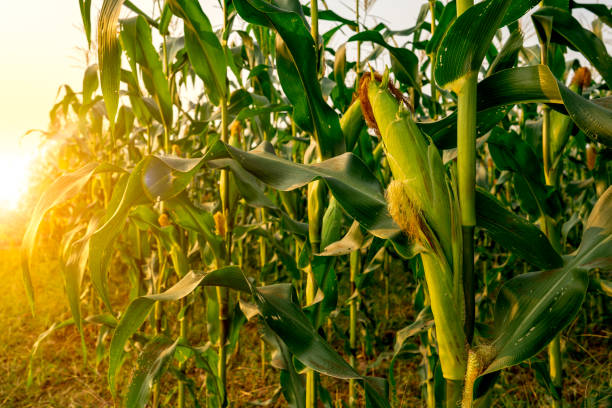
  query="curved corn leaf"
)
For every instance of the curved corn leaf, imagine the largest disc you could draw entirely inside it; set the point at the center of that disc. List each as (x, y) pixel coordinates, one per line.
(61, 190)
(511, 153)
(151, 364)
(567, 30)
(109, 55)
(514, 233)
(139, 308)
(350, 181)
(467, 41)
(535, 84)
(153, 177)
(407, 68)
(601, 10)
(85, 7)
(99, 244)
(138, 44)
(296, 59)
(203, 48)
(533, 308)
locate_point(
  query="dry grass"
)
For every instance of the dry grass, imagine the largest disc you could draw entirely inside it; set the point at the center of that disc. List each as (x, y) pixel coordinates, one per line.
(61, 380)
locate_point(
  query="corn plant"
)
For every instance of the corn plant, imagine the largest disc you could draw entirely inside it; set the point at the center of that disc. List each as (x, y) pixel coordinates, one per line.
(255, 174)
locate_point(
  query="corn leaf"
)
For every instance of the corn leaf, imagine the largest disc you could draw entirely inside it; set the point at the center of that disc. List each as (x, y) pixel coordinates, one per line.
(151, 363)
(109, 55)
(407, 67)
(567, 30)
(153, 177)
(85, 7)
(535, 84)
(297, 71)
(61, 190)
(533, 308)
(139, 308)
(138, 44)
(514, 233)
(203, 48)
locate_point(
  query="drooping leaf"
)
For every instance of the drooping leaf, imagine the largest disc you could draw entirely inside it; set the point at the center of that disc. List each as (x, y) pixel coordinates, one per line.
(533, 308)
(567, 30)
(407, 68)
(296, 58)
(61, 190)
(203, 47)
(515, 233)
(138, 309)
(153, 177)
(534, 84)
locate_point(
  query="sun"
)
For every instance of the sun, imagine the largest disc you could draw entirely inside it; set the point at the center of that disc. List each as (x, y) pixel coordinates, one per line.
(14, 179)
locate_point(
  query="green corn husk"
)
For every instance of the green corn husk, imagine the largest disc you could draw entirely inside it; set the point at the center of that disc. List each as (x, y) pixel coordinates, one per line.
(422, 203)
(351, 124)
(561, 125)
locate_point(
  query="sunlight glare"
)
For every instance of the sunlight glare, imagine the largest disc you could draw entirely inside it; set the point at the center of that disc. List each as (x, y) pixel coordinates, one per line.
(14, 179)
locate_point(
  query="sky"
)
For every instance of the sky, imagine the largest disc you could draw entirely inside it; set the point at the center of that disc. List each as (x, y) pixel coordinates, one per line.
(43, 46)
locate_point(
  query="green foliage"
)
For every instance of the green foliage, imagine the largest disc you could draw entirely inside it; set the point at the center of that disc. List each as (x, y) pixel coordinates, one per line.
(242, 173)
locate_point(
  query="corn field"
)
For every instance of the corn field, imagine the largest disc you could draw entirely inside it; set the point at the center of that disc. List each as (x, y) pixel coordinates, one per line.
(355, 208)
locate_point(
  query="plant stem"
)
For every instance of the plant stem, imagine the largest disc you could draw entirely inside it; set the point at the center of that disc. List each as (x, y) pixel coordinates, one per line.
(262, 265)
(554, 347)
(223, 293)
(466, 164)
(183, 324)
(358, 62)
(434, 93)
(314, 203)
(355, 266)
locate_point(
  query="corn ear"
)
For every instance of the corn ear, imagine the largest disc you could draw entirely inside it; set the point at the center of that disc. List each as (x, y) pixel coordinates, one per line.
(421, 202)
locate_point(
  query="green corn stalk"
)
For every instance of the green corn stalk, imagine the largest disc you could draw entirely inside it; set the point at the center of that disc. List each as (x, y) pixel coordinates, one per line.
(226, 198)
(316, 208)
(466, 169)
(554, 349)
(422, 203)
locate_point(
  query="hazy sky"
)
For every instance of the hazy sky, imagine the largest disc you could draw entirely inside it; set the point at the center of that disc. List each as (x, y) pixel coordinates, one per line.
(42, 47)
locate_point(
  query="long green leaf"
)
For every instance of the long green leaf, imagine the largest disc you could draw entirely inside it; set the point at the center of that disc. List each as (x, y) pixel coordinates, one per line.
(467, 41)
(138, 44)
(138, 309)
(151, 363)
(567, 30)
(515, 233)
(533, 308)
(535, 84)
(85, 7)
(408, 68)
(109, 55)
(203, 47)
(61, 190)
(297, 71)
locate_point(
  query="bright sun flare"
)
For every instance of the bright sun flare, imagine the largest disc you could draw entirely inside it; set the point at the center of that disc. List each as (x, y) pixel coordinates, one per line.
(14, 179)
